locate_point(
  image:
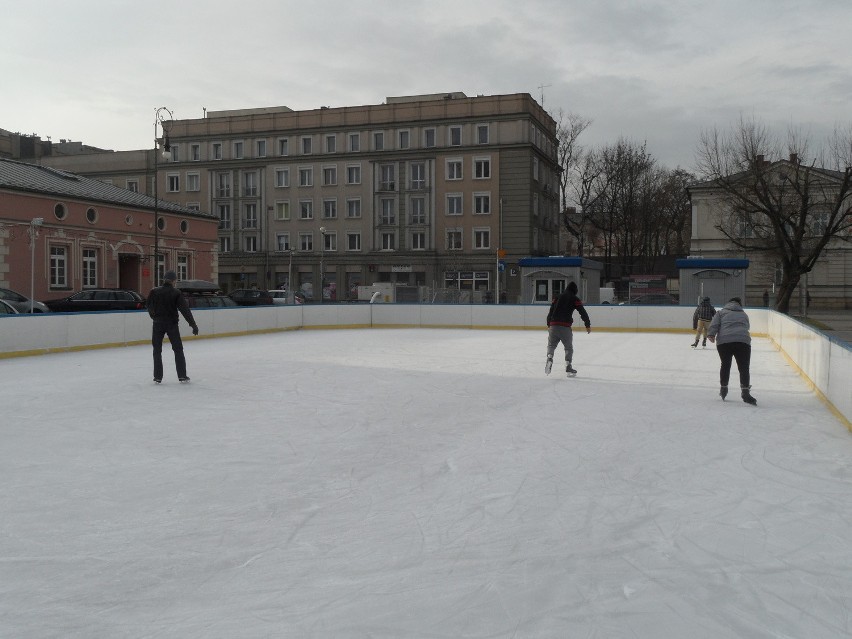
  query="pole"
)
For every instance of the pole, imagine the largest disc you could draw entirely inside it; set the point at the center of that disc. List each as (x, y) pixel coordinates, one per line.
(322, 259)
(36, 221)
(156, 252)
(290, 293)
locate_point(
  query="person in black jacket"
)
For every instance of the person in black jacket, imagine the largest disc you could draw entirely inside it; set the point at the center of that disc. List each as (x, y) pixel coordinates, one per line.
(559, 321)
(163, 304)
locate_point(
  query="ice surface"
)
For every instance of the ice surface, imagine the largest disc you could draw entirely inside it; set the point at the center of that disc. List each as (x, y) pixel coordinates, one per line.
(420, 483)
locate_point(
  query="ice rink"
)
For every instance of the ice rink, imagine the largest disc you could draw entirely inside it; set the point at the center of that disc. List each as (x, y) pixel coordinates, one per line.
(420, 483)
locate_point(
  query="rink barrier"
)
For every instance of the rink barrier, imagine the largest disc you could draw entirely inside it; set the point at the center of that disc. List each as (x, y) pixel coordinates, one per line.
(824, 362)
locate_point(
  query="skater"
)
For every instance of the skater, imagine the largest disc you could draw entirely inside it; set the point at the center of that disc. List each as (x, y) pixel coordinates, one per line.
(701, 320)
(729, 330)
(163, 305)
(559, 320)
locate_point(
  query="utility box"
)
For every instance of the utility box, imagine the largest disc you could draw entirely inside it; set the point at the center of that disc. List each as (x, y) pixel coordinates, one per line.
(720, 279)
(544, 278)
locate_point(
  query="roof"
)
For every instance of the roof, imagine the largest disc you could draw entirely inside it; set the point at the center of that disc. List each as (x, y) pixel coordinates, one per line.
(715, 183)
(559, 261)
(716, 262)
(31, 178)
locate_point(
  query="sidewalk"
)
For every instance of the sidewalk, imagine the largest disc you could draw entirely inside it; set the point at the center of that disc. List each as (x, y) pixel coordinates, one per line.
(838, 323)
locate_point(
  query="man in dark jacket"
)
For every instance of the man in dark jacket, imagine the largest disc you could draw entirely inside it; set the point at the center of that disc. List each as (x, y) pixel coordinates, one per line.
(701, 320)
(559, 321)
(163, 304)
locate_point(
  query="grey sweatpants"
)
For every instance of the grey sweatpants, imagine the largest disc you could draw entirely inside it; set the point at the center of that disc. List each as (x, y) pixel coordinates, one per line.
(564, 334)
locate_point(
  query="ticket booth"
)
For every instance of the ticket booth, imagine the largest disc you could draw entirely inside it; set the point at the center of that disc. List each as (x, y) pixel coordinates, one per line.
(720, 279)
(543, 278)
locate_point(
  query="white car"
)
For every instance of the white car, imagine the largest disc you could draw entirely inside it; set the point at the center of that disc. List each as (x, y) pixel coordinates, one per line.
(279, 296)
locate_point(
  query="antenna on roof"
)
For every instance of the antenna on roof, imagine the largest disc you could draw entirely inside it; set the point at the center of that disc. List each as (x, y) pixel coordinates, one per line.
(541, 88)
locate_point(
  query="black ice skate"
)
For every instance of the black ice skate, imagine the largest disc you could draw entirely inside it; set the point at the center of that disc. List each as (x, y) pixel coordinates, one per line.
(747, 398)
(723, 392)
(183, 380)
(695, 344)
(571, 372)
(548, 365)
(157, 380)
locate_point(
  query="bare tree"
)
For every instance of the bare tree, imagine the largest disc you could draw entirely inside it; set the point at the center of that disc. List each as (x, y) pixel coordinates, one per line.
(789, 209)
(571, 158)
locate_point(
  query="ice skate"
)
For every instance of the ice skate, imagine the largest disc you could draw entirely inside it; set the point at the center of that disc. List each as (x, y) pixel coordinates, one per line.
(704, 344)
(157, 380)
(747, 398)
(571, 372)
(695, 344)
(183, 380)
(548, 365)
(723, 392)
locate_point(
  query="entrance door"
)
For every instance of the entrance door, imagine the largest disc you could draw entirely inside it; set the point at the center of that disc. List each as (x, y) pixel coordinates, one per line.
(128, 272)
(546, 289)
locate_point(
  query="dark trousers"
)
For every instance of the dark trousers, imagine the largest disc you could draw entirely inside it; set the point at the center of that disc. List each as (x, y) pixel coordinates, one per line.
(739, 351)
(160, 330)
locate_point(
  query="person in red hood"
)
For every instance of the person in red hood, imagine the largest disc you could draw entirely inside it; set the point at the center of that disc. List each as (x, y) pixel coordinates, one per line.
(559, 321)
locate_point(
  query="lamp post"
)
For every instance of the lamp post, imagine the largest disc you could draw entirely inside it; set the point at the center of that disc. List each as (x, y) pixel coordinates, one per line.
(36, 221)
(322, 260)
(161, 116)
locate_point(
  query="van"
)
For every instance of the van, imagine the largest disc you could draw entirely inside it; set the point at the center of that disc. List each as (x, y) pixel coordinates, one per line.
(607, 295)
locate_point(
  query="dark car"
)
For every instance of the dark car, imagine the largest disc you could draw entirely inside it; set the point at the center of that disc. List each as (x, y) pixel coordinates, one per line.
(203, 294)
(251, 297)
(21, 302)
(7, 309)
(653, 298)
(99, 299)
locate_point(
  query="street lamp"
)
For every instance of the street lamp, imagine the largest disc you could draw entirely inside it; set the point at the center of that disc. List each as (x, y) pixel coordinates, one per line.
(322, 259)
(161, 116)
(36, 221)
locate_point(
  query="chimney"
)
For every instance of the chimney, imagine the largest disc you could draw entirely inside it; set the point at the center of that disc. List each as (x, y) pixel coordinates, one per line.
(794, 158)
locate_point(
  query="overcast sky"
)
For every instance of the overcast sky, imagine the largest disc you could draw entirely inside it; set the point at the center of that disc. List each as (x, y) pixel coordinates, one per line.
(95, 70)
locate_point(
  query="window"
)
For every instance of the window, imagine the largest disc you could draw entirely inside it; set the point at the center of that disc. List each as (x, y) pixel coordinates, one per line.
(133, 185)
(378, 141)
(331, 144)
(353, 174)
(404, 139)
(282, 178)
(91, 215)
(250, 187)
(418, 176)
(482, 168)
(353, 241)
(329, 175)
(818, 223)
(306, 241)
(90, 268)
(535, 169)
(282, 242)
(388, 214)
(184, 226)
(387, 173)
(182, 267)
(224, 216)
(59, 266)
(481, 203)
(418, 210)
(306, 209)
(193, 182)
(224, 244)
(223, 185)
(59, 211)
(238, 150)
(454, 169)
(283, 146)
(174, 149)
(329, 239)
(418, 241)
(307, 145)
(260, 149)
(306, 176)
(195, 152)
(250, 216)
(429, 138)
(482, 134)
(455, 136)
(193, 206)
(388, 241)
(217, 150)
(354, 141)
(454, 204)
(745, 229)
(250, 243)
(173, 182)
(329, 209)
(454, 239)
(282, 210)
(353, 207)
(481, 238)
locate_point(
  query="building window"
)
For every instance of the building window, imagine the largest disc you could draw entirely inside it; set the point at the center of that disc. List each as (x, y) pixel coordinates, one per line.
(378, 141)
(173, 182)
(454, 169)
(184, 226)
(354, 141)
(90, 268)
(224, 244)
(331, 144)
(260, 149)
(353, 207)
(58, 266)
(59, 211)
(329, 176)
(193, 206)
(353, 241)
(133, 185)
(404, 139)
(454, 204)
(388, 214)
(306, 241)
(481, 203)
(283, 146)
(174, 149)
(307, 145)
(482, 168)
(250, 242)
(353, 174)
(282, 178)
(455, 136)
(223, 185)
(224, 216)
(481, 238)
(217, 150)
(282, 211)
(418, 176)
(238, 150)
(250, 216)
(387, 173)
(282, 242)
(745, 229)
(388, 241)
(429, 138)
(418, 241)
(535, 169)
(306, 176)
(306, 209)
(193, 182)
(329, 209)
(250, 184)
(329, 239)
(91, 215)
(195, 152)
(454, 239)
(482, 134)
(418, 210)
(182, 267)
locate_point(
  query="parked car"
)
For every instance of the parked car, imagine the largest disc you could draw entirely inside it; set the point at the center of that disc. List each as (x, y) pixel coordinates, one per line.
(98, 299)
(251, 297)
(652, 298)
(203, 294)
(7, 309)
(279, 296)
(21, 302)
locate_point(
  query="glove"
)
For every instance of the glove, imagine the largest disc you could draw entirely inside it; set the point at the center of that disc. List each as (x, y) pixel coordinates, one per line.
(195, 330)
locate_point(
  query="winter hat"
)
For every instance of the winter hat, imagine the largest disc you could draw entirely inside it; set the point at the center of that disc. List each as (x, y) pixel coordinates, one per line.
(737, 300)
(170, 276)
(572, 287)
(706, 299)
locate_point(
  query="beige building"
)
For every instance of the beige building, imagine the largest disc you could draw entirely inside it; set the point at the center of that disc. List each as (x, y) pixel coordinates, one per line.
(420, 191)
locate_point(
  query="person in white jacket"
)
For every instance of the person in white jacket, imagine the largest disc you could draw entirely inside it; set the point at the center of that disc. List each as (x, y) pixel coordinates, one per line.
(729, 330)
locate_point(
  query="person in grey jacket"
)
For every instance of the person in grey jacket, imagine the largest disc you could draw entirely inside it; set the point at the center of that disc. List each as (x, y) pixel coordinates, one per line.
(729, 330)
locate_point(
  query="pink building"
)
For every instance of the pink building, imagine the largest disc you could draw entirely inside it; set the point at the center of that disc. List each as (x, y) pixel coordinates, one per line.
(90, 234)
